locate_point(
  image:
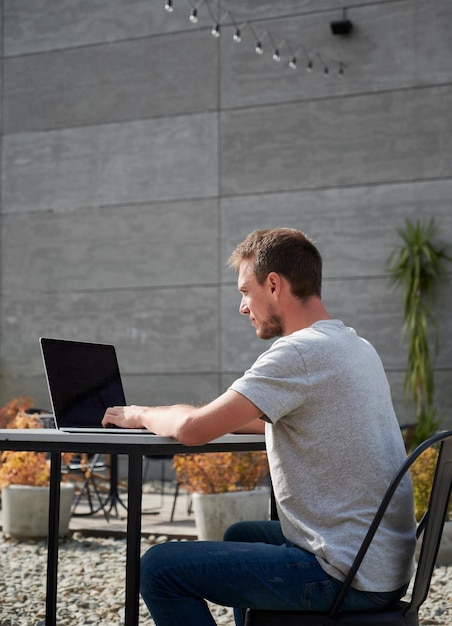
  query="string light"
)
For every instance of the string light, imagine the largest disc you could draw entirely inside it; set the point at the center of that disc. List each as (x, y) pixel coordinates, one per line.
(340, 67)
(194, 13)
(237, 36)
(293, 63)
(276, 54)
(259, 48)
(216, 28)
(323, 63)
(329, 63)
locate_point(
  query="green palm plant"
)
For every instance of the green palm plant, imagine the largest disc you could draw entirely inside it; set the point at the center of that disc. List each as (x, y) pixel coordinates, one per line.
(418, 265)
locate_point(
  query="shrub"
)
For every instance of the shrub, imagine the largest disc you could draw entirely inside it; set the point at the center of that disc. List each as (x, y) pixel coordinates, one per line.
(422, 473)
(19, 467)
(24, 468)
(12, 408)
(220, 472)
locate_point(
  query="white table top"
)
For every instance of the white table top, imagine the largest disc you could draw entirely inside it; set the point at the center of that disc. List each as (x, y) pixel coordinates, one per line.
(52, 436)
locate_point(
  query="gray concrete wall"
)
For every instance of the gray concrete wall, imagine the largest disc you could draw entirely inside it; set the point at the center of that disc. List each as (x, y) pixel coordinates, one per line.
(137, 150)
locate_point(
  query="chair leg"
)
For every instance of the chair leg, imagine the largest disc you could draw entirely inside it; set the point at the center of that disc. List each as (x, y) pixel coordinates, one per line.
(78, 498)
(86, 489)
(88, 485)
(162, 483)
(176, 493)
(99, 499)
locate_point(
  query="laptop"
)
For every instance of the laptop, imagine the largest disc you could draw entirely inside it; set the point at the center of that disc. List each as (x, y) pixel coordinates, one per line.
(83, 380)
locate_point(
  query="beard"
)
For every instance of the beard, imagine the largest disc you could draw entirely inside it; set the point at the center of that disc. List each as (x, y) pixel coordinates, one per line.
(271, 327)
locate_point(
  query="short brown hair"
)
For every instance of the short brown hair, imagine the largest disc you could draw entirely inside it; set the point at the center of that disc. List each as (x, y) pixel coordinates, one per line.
(286, 251)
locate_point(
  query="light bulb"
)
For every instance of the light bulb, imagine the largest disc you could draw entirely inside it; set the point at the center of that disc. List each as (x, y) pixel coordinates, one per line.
(309, 66)
(194, 16)
(237, 36)
(169, 6)
(276, 56)
(293, 63)
(216, 30)
(259, 49)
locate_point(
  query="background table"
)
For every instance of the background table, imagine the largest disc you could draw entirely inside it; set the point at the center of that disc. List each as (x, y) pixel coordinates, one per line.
(135, 447)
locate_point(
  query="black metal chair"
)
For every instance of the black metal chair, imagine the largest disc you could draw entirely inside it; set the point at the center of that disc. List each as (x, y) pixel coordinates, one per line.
(89, 471)
(161, 460)
(403, 613)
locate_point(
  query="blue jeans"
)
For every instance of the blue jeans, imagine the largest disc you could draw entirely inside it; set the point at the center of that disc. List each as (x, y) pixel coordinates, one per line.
(254, 567)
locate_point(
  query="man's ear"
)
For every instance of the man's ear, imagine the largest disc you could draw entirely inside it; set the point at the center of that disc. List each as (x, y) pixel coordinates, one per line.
(274, 283)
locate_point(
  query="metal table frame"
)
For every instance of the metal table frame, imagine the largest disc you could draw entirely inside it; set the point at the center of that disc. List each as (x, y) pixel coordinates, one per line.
(135, 447)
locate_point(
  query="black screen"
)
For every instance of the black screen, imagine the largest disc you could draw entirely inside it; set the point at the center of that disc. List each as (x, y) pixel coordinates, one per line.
(83, 380)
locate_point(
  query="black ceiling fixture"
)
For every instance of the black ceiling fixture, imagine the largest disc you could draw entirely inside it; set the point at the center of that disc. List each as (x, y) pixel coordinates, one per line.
(342, 27)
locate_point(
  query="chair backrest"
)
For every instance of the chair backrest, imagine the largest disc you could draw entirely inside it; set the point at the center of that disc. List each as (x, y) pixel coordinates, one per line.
(432, 523)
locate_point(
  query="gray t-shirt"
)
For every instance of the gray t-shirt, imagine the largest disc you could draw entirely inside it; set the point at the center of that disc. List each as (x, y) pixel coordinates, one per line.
(333, 445)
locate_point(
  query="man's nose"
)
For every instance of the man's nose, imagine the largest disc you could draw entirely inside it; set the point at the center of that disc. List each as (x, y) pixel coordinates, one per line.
(243, 308)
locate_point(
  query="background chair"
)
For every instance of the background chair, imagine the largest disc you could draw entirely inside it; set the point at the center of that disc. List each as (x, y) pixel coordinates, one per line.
(403, 613)
(162, 461)
(91, 473)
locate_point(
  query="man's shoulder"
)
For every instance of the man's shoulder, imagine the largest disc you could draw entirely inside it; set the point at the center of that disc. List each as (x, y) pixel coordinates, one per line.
(320, 331)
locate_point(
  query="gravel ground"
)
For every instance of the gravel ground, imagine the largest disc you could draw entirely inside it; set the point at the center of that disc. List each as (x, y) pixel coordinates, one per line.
(91, 585)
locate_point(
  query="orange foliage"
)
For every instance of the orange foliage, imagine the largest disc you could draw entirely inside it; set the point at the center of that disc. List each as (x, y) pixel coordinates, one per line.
(18, 467)
(422, 474)
(12, 408)
(24, 468)
(220, 472)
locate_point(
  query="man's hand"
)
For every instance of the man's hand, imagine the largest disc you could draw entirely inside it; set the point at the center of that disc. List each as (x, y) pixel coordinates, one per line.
(124, 417)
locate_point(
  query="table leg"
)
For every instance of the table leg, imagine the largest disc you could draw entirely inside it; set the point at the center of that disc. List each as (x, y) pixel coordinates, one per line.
(133, 538)
(52, 539)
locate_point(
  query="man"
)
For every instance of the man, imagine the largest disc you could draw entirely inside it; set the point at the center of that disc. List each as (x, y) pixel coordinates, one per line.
(333, 445)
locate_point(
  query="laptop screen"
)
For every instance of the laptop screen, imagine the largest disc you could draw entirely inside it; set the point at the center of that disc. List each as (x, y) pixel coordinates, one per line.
(83, 380)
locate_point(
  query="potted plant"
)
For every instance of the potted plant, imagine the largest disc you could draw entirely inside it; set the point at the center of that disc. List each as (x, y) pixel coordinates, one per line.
(418, 265)
(422, 473)
(9, 411)
(24, 482)
(226, 487)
